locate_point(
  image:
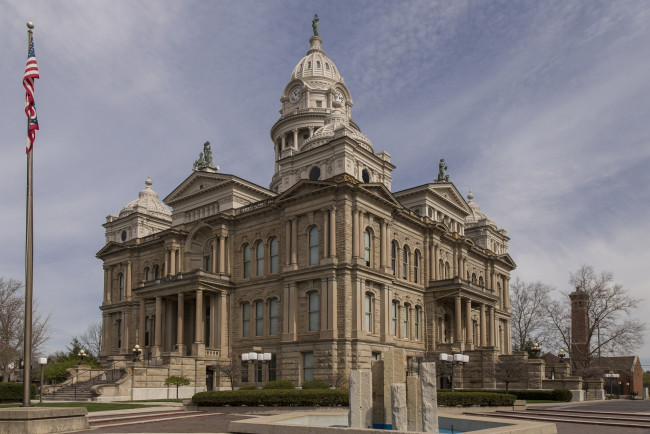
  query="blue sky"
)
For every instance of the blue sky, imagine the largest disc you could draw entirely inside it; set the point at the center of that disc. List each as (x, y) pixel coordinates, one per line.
(541, 108)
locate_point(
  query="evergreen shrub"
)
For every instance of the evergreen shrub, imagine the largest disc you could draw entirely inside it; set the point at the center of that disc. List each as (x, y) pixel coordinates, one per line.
(549, 395)
(247, 387)
(13, 392)
(483, 399)
(279, 384)
(273, 397)
(315, 384)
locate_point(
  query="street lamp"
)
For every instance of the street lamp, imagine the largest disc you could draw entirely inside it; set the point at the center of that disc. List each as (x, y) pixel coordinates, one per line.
(82, 355)
(536, 350)
(137, 351)
(454, 359)
(254, 359)
(561, 354)
(42, 361)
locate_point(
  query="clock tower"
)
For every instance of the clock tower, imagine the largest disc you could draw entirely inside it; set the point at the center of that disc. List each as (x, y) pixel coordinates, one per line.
(315, 137)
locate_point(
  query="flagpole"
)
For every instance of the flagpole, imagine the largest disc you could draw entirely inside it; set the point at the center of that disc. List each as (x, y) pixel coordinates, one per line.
(29, 259)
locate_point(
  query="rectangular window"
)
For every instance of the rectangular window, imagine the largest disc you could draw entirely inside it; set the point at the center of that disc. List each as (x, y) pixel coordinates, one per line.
(274, 256)
(273, 315)
(246, 320)
(147, 331)
(308, 366)
(394, 318)
(207, 264)
(417, 324)
(319, 103)
(119, 333)
(313, 311)
(273, 367)
(376, 356)
(244, 372)
(313, 246)
(405, 324)
(368, 315)
(259, 318)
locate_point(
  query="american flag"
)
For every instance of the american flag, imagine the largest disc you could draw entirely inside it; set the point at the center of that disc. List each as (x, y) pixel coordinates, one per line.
(31, 72)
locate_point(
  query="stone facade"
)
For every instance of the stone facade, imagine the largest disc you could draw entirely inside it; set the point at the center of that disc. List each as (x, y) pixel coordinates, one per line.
(325, 270)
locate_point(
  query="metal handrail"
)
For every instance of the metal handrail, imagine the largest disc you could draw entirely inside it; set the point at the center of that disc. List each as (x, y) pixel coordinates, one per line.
(76, 376)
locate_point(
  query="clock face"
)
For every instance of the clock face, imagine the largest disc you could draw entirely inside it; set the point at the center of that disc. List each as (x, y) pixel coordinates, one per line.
(295, 95)
(338, 96)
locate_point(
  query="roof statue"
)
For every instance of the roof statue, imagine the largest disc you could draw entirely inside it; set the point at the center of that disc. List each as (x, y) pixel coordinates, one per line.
(314, 24)
(442, 172)
(205, 159)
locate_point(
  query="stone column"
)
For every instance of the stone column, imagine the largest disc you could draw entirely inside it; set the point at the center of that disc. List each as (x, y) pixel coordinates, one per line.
(332, 316)
(469, 339)
(126, 324)
(284, 141)
(180, 316)
(355, 234)
(436, 260)
(294, 241)
(429, 398)
(295, 138)
(333, 232)
(172, 261)
(107, 285)
(360, 415)
(326, 238)
(213, 322)
(127, 282)
(158, 323)
(215, 244)
(382, 245)
(287, 250)
(324, 306)
(199, 317)
(222, 254)
(398, 410)
(222, 337)
(289, 312)
(458, 332)
(506, 292)
(492, 325)
(357, 308)
(168, 340)
(483, 326)
(141, 325)
(414, 403)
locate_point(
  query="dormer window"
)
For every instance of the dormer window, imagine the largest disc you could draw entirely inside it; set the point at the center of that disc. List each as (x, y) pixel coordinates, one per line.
(318, 64)
(309, 65)
(319, 103)
(327, 66)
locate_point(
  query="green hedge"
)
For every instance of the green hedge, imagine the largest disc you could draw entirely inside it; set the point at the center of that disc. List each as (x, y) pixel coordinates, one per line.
(279, 384)
(467, 398)
(551, 395)
(315, 384)
(277, 397)
(247, 387)
(13, 392)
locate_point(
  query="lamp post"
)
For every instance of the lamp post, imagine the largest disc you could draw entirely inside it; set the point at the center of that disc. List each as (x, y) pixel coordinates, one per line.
(42, 361)
(254, 359)
(536, 350)
(82, 355)
(453, 360)
(137, 351)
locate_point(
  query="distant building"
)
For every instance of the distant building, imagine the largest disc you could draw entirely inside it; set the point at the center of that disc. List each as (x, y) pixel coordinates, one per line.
(630, 380)
(325, 269)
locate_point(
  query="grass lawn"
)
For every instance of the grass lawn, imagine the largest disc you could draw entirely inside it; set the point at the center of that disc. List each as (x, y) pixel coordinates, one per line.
(90, 406)
(544, 401)
(158, 400)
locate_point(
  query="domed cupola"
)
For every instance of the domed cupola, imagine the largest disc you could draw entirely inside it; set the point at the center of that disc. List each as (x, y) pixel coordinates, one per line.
(315, 64)
(143, 216)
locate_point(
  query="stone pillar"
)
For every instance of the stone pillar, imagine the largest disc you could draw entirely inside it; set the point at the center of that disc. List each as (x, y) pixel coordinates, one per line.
(107, 284)
(333, 232)
(126, 324)
(198, 348)
(469, 339)
(295, 138)
(492, 325)
(429, 396)
(127, 282)
(506, 293)
(355, 234)
(398, 410)
(360, 415)
(289, 308)
(414, 403)
(436, 259)
(483, 327)
(168, 339)
(222, 336)
(332, 298)
(158, 323)
(172, 261)
(458, 324)
(382, 245)
(222, 254)
(215, 244)
(357, 308)
(284, 141)
(294, 241)
(213, 322)
(324, 306)
(141, 325)
(287, 250)
(180, 315)
(326, 237)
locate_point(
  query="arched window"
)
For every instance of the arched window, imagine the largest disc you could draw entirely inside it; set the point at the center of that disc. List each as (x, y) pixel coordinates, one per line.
(418, 313)
(394, 318)
(259, 255)
(147, 274)
(156, 272)
(405, 321)
(121, 280)
(480, 281)
(366, 244)
(368, 312)
(447, 271)
(259, 318)
(313, 311)
(273, 316)
(275, 261)
(247, 260)
(246, 320)
(474, 278)
(416, 266)
(405, 263)
(313, 246)
(393, 257)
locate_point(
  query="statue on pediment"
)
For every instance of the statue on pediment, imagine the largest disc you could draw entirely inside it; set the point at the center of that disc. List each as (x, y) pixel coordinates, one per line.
(205, 159)
(442, 172)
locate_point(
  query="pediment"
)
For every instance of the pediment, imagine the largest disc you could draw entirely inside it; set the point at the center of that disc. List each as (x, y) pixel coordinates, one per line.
(507, 259)
(380, 190)
(111, 247)
(448, 192)
(201, 183)
(304, 187)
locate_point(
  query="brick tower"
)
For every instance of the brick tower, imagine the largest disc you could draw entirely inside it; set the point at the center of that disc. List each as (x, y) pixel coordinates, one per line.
(579, 327)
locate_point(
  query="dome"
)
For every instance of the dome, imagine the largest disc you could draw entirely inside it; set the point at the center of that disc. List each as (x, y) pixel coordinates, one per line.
(476, 214)
(147, 203)
(315, 64)
(334, 122)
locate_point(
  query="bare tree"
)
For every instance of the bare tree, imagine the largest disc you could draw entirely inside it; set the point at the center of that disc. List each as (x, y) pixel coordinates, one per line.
(228, 369)
(12, 316)
(91, 340)
(528, 303)
(511, 369)
(611, 330)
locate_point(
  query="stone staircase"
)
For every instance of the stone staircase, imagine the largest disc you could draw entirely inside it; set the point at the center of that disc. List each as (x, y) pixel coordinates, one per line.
(80, 391)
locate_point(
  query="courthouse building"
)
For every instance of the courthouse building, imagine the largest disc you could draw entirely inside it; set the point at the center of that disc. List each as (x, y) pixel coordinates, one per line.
(325, 269)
